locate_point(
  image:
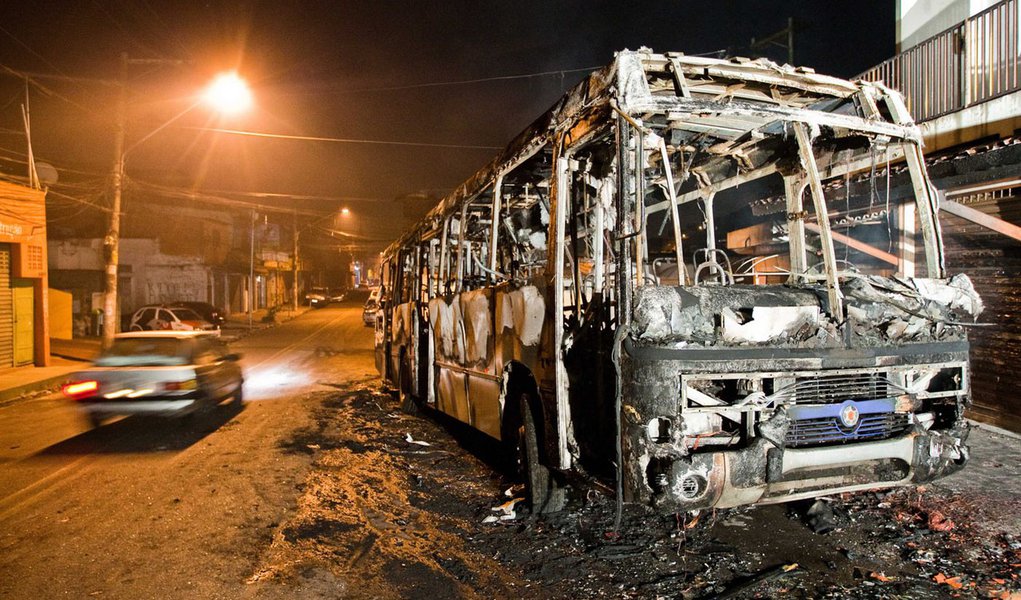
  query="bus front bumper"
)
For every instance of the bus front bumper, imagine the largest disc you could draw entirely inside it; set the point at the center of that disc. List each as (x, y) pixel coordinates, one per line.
(765, 473)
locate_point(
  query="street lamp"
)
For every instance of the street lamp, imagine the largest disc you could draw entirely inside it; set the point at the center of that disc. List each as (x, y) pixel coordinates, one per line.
(228, 93)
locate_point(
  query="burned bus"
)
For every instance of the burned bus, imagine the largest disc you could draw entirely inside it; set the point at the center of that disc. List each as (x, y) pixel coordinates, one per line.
(708, 282)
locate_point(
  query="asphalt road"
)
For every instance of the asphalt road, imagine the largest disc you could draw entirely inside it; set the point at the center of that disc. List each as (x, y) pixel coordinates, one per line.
(146, 508)
(321, 488)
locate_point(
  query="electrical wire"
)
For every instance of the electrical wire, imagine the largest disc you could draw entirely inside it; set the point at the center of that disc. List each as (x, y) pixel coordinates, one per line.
(47, 90)
(199, 196)
(296, 196)
(30, 50)
(311, 138)
(412, 86)
(128, 31)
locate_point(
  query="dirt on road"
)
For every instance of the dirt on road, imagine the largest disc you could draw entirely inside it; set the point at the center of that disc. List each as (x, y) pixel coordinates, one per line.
(396, 506)
(320, 487)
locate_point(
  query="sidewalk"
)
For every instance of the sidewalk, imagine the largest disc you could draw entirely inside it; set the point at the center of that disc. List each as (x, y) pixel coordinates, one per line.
(19, 381)
(80, 348)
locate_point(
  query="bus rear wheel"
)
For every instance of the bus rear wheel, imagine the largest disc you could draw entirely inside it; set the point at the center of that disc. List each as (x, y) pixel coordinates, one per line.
(409, 404)
(543, 492)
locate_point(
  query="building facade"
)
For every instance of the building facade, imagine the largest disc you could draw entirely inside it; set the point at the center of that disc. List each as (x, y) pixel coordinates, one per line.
(959, 69)
(24, 316)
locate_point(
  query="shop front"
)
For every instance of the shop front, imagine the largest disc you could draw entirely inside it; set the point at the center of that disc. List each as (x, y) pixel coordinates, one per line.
(24, 319)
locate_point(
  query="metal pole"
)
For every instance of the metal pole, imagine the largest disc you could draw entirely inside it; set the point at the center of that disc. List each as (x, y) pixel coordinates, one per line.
(790, 41)
(251, 273)
(294, 264)
(112, 239)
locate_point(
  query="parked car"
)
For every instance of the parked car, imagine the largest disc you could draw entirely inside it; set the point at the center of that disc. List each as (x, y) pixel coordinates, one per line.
(371, 308)
(318, 297)
(164, 373)
(205, 310)
(173, 318)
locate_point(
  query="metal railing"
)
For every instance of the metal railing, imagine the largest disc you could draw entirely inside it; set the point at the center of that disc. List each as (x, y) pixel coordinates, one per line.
(972, 62)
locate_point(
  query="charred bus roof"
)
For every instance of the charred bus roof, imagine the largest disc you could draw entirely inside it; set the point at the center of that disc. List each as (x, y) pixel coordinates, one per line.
(732, 114)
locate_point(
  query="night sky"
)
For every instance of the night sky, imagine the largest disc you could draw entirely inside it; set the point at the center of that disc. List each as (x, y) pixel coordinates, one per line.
(367, 71)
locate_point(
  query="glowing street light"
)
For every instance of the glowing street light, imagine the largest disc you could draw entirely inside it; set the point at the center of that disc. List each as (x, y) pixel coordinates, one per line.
(228, 94)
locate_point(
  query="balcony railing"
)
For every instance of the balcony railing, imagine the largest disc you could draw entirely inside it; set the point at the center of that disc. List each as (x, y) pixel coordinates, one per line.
(972, 62)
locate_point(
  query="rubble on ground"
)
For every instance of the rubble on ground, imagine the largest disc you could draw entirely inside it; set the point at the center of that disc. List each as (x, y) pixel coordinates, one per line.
(389, 517)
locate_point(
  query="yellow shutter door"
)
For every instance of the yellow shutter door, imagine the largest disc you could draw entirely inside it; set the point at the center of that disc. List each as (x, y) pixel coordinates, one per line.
(24, 322)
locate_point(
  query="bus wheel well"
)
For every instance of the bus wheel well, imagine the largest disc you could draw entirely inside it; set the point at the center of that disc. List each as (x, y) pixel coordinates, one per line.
(524, 433)
(519, 383)
(409, 404)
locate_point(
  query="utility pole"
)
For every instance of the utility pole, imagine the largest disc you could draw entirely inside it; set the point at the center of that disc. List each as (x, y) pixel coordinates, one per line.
(251, 273)
(294, 263)
(111, 242)
(774, 39)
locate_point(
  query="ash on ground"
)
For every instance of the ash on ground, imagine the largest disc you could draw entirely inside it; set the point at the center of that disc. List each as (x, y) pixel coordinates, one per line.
(400, 506)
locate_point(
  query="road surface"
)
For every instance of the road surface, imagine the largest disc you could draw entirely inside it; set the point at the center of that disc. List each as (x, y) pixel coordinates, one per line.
(321, 488)
(145, 508)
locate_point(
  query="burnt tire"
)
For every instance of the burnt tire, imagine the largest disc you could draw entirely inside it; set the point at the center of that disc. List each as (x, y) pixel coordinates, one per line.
(409, 405)
(542, 490)
(238, 399)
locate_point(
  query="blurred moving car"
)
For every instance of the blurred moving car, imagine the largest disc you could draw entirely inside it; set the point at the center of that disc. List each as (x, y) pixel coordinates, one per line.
(205, 310)
(165, 373)
(371, 308)
(173, 318)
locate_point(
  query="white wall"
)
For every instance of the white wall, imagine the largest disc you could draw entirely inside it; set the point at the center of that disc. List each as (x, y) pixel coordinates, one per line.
(918, 20)
(155, 277)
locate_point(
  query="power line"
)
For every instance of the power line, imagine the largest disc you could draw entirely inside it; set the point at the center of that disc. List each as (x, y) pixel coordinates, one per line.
(30, 50)
(23, 160)
(49, 64)
(198, 196)
(338, 199)
(46, 90)
(560, 72)
(62, 77)
(311, 138)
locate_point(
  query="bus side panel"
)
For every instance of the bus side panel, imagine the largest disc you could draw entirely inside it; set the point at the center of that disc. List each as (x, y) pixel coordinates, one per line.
(448, 338)
(484, 380)
(451, 394)
(519, 313)
(401, 334)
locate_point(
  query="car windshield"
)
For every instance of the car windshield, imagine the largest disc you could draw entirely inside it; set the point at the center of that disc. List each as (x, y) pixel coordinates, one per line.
(186, 314)
(146, 352)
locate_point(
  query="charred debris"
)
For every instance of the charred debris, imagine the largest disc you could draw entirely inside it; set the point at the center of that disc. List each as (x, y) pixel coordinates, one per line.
(695, 273)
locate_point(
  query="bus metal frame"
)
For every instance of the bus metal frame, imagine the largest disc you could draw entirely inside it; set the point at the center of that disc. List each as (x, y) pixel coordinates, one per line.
(550, 284)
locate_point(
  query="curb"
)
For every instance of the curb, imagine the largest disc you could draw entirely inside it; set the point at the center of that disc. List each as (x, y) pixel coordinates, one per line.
(994, 429)
(10, 394)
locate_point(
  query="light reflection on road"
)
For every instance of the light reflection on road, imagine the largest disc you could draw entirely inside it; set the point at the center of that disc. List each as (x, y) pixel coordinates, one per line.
(267, 383)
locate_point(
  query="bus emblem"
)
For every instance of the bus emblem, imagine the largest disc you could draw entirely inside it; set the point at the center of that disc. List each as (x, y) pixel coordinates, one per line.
(849, 415)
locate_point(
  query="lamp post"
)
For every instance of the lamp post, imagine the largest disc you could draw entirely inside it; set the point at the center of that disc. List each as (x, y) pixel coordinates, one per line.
(227, 93)
(294, 263)
(251, 270)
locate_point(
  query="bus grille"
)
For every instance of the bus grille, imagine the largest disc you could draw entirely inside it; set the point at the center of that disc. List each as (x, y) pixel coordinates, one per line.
(828, 430)
(837, 388)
